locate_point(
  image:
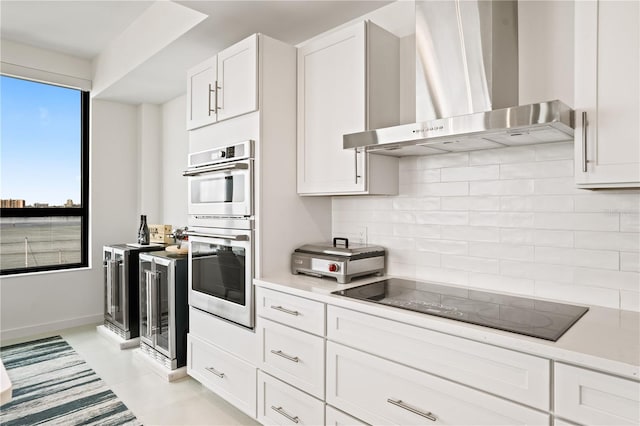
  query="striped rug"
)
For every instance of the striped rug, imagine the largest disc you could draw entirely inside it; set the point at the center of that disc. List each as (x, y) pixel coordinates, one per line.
(52, 385)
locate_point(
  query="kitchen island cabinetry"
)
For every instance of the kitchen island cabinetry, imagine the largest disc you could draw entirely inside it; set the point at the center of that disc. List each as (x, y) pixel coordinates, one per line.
(348, 81)
(224, 86)
(607, 87)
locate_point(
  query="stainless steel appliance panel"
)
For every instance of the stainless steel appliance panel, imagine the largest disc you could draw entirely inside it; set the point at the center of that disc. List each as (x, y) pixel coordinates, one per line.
(221, 273)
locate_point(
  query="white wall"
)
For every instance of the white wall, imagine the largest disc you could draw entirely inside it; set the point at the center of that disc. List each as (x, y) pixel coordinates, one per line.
(35, 303)
(175, 146)
(149, 176)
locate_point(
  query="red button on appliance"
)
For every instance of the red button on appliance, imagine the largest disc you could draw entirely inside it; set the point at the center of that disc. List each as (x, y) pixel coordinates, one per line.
(333, 267)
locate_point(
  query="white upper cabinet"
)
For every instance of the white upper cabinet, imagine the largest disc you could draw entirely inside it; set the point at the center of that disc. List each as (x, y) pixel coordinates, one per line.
(224, 86)
(348, 81)
(607, 93)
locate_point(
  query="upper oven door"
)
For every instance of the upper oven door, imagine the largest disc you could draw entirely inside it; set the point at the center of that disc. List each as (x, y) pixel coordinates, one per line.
(221, 273)
(221, 189)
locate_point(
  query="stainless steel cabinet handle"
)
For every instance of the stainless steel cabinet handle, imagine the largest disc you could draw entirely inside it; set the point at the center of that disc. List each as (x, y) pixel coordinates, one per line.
(399, 403)
(214, 371)
(285, 310)
(149, 319)
(280, 411)
(218, 88)
(222, 237)
(107, 285)
(283, 355)
(211, 90)
(356, 162)
(584, 141)
(216, 168)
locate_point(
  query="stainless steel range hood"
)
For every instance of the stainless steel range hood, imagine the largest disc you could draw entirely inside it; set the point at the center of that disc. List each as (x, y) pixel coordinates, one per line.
(467, 86)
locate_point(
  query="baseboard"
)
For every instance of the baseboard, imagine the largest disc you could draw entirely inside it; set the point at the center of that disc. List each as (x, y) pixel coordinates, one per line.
(32, 330)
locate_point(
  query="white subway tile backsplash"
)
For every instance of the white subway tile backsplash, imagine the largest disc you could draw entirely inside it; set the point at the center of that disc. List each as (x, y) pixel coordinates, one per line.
(416, 231)
(630, 300)
(501, 251)
(578, 257)
(554, 151)
(455, 159)
(630, 222)
(537, 271)
(516, 154)
(593, 201)
(416, 203)
(627, 241)
(502, 283)
(471, 203)
(442, 218)
(458, 174)
(538, 169)
(577, 221)
(502, 187)
(506, 219)
(630, 262)
(471, 264)
(444, 189)
(470, 233)
(442, 246)
(578, 294)
(610, 279)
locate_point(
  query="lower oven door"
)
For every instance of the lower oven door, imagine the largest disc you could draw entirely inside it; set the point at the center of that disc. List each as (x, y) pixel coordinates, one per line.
(221, 273)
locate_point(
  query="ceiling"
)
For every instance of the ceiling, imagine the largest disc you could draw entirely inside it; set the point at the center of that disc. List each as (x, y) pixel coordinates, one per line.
(85, 28)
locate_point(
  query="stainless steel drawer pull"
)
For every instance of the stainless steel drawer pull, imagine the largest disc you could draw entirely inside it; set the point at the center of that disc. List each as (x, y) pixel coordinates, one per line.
(286, 311)
(283, 355)
(214, 371)
(401, 404)
(585, 123)
(280, 411)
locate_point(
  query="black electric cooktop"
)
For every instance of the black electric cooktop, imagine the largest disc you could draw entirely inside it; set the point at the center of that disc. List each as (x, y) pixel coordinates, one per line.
(537, 318)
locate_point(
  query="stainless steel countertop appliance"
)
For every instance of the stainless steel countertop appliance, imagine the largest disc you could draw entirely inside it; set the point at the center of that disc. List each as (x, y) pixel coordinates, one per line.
(531, 317)
(343, 261)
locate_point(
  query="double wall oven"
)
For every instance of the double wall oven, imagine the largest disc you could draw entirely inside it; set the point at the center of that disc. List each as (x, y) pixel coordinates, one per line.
(221, 234)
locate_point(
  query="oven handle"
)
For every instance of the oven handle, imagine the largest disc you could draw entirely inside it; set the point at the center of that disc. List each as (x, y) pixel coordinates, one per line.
(216, 168)
(219, 236)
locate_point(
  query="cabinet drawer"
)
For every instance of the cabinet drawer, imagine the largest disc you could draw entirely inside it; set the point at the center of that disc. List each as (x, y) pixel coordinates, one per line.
(281, 404)
(293, 356)
(305, 314)
(226, 375)
(503, 372)
(335, 417)
(594, 398)
(382, 392)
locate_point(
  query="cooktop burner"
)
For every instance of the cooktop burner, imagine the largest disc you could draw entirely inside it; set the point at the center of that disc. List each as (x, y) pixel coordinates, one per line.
(537, 318)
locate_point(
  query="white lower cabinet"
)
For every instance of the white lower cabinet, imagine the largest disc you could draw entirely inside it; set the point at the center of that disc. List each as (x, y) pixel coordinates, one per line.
(382, 392)
(593, 398)
(223, 373)
(281, 404)
(334, 417)
(293, 356)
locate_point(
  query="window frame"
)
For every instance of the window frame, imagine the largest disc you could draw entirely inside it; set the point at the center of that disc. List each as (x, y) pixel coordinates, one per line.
(81, 212)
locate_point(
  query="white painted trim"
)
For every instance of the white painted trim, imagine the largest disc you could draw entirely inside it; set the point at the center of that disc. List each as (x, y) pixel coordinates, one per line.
(19, 71)
(16, 333)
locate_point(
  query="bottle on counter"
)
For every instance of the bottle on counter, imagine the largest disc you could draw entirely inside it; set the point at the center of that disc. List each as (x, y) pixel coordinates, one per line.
(143, 231)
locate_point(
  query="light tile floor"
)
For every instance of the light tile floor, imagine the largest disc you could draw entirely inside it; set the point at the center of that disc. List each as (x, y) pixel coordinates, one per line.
(153, 399)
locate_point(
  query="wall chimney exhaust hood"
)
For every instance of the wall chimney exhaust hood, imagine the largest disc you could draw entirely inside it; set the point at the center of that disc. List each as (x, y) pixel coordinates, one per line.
(463, 50)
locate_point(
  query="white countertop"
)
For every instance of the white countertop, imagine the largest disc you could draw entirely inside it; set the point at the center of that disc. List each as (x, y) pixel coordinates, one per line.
(604, 339)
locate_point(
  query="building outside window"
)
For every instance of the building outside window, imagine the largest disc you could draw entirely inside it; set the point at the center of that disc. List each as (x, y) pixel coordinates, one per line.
(44, 176)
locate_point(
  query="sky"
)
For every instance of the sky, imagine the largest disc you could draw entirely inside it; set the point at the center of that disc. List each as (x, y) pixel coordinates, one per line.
(39, 142)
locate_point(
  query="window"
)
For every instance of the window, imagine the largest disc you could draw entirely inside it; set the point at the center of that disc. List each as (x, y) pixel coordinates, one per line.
(44, 177)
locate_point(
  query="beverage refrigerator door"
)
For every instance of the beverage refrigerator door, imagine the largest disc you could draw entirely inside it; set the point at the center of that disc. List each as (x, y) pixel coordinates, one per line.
(164, 315)
(146, 303)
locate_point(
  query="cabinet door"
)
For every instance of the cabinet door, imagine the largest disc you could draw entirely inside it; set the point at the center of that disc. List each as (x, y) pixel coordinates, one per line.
(331, 102)
(607, 69)
(381, 392)
(237, 79)
(201, 82)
